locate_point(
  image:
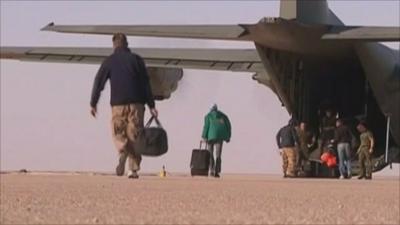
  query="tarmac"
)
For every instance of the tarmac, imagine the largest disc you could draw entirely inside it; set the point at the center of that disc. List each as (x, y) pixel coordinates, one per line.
(93, 198)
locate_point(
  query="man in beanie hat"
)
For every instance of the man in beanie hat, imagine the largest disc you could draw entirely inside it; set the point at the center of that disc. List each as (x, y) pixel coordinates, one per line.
(217, 128)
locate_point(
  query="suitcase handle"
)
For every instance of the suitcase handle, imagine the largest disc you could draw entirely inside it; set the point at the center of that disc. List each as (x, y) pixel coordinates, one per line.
(201, 144)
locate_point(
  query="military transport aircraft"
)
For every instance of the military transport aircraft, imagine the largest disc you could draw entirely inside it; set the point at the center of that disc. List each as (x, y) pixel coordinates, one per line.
(307, 56)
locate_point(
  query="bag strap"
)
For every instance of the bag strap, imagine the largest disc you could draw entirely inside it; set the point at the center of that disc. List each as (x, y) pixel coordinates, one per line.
(151, 120)
(158, 122)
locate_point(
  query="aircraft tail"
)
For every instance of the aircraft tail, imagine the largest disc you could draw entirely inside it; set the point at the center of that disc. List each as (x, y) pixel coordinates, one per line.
(309, 12)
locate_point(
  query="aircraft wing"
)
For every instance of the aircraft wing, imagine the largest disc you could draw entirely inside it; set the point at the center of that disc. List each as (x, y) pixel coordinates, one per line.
(164, 65)
(241, 60)
(223, 32)
(363, 33)
(226, 32)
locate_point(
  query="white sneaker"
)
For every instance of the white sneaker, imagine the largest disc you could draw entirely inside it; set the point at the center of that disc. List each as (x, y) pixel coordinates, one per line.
(341, 177)
(132, 174)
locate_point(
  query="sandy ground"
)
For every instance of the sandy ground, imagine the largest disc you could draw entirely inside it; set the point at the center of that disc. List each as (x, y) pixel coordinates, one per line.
(234, 199)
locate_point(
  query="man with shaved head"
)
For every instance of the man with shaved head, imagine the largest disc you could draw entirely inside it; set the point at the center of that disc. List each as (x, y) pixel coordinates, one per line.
(366, 148)
(130, 91)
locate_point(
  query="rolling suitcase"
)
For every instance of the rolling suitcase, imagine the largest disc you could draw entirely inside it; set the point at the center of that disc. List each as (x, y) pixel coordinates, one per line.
(200, 162)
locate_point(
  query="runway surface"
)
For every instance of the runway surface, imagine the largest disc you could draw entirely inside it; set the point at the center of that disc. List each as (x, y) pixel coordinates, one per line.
(89, 198)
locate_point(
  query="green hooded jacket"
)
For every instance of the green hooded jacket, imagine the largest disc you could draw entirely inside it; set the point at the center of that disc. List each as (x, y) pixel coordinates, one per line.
(217, 127)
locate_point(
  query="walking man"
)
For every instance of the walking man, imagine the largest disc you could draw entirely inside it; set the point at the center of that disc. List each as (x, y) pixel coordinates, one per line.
(130, 90)
(217, 128)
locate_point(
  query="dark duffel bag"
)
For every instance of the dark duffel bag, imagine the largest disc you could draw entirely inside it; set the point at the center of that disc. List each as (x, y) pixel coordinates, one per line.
(200, 162)
(152, 141)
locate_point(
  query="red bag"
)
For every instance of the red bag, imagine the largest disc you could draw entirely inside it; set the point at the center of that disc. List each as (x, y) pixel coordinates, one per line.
(325, 157)
(331, 162)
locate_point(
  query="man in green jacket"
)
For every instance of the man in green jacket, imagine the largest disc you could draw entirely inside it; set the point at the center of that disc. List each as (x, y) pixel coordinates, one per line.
(217, 128)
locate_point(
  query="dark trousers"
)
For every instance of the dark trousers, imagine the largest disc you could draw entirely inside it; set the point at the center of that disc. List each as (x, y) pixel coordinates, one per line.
(215, 163)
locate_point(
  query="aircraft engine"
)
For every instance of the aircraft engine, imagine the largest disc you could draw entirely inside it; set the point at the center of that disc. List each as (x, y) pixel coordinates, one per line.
(164, 81)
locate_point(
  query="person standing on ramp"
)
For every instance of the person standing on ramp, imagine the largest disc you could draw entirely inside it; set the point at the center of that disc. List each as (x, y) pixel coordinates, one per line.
(287, 141)
(365, 151)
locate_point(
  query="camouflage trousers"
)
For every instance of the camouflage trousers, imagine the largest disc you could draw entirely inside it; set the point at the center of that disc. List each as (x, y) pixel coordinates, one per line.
(289, 158)
(127, 121)
(302, 157)
(364, 159)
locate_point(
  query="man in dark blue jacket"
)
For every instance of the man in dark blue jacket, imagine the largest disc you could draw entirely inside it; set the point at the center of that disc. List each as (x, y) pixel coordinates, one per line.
(130, 90)
(287, 141)
(342, 137)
